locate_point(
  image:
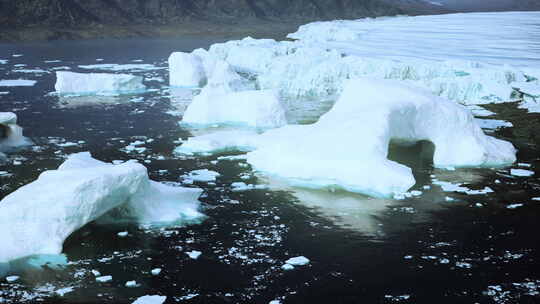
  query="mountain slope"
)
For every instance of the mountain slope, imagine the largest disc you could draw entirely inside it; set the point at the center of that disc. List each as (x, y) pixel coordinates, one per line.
(24, 13)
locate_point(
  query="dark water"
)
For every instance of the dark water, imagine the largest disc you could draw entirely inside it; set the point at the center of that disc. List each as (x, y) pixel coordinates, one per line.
(424, 249)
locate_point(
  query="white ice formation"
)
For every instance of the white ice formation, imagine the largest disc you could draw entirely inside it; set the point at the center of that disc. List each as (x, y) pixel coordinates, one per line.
(186, 70)
(11, 135)
(347, 148)
(260, 109)
(97, 83)
(455, 56)
(38, 217)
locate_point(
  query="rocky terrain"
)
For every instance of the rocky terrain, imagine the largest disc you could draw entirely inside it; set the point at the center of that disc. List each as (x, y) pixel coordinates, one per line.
(72, 19)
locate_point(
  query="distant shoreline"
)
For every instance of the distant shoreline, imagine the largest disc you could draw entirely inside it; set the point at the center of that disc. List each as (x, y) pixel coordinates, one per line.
(260, 29)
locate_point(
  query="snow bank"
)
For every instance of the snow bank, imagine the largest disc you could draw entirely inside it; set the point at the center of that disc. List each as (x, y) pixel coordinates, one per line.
(260, 109)
(186, 70)
(347, 148)
(455, 56)
(11, 135)
(38, 217)
(97, 83)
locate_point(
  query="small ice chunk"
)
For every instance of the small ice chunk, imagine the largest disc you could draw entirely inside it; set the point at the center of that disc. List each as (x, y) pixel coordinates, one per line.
(122, 234)
(514, 206)
(150, 300)
(521, 172)
(104, 279)
(62, 291)
(156, 271)
(194, 254)
(96, 273)
(203, 175)
(298, 261)
(132, 284)
(287, 267)
(11, 279)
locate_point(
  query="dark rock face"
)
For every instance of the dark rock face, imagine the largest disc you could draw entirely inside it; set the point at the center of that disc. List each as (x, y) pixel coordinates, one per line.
(79, 13)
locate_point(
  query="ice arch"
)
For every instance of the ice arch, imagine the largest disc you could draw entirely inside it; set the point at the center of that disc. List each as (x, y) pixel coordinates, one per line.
(348, 146)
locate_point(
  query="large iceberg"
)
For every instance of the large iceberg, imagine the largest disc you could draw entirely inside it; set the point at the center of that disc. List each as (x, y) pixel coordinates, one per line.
(38, 217)
(97, 83)
(261, 109)
(11, 135)
(455, 56)
(348, 147)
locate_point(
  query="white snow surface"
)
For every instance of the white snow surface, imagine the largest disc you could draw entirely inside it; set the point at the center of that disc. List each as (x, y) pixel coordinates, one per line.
(38, 217)
(470, 58)
(97, 83)
(348, 146)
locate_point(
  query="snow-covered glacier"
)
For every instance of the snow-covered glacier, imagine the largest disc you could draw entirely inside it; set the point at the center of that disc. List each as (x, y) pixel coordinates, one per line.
(38, 217)
(347, 148)
(97, 83)
(469, 58)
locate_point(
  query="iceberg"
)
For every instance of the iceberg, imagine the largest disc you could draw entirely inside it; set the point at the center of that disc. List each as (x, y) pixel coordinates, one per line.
(97, 83)
(186, 70)
(11, 135)
(38, 217)
(260, 109)
(348, 147)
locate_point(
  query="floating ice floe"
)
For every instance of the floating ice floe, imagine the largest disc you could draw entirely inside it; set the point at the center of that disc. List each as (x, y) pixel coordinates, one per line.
(120, 67)
(11, 135)
(194, 254)
(347, 148)
(104, 279)
(298, 261)
(31, 71)
(521, 172)
(97, 83)
(17, 83)
(203, 175)
(36, 220)
(150, 300)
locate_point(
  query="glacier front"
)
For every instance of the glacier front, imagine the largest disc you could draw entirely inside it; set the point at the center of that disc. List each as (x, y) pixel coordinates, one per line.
(469, 58)
(38, 217)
